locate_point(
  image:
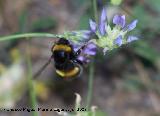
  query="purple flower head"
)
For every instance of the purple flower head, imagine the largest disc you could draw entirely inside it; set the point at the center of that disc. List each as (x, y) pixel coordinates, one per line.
(118, 40)
(119, 20)
(111, 37)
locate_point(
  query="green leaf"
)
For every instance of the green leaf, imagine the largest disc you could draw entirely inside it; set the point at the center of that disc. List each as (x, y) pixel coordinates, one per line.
(143, 49)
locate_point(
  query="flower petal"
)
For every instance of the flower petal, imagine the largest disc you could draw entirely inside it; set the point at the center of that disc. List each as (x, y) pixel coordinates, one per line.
(119, 20)
(103, 22)
(103, 17)
(102, 29)
(90, 52)
(131, 38)
(90, 49)
(93, 25)
(84, 59)
(118, 40)
(132, 25)
(91, 46)
(81, 58)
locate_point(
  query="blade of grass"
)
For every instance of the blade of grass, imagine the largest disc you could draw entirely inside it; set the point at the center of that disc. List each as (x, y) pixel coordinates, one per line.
(30, 84)
(28, 35)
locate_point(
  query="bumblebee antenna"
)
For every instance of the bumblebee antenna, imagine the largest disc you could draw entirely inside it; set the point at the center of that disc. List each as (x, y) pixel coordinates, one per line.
(42, 68)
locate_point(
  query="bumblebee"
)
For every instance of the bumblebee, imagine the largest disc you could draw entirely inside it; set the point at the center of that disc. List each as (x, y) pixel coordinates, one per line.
(65, 59)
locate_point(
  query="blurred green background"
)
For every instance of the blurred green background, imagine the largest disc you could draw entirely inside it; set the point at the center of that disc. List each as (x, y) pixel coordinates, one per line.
(127, 80)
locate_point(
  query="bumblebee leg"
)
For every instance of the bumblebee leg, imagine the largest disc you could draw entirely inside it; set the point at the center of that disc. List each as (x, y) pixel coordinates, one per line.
(42, 68)
(78, 61)
(80, 50)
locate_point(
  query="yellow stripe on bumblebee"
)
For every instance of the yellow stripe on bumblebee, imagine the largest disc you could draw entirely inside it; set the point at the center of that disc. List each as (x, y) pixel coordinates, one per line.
(62, 47)
(71, 73)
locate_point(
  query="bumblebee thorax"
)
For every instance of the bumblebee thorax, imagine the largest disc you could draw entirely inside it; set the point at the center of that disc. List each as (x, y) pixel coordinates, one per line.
(60, 56)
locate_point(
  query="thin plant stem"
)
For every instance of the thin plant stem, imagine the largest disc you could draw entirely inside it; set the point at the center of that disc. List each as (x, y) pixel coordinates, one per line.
(28, 35)
(94, 4)
(90, 84)
(32, 94)
(91, 68)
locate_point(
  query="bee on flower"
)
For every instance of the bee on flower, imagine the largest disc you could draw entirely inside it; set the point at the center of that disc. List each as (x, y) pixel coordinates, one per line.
(70, 53)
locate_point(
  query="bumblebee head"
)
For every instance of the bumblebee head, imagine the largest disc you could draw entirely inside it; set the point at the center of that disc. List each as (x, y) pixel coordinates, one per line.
(63, 41)
(62, 45)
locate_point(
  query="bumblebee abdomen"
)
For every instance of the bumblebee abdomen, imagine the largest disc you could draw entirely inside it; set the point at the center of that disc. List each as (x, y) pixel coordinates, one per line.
(74, 72)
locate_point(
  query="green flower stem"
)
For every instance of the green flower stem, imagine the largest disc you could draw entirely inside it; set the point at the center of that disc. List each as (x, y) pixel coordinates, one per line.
(90, 84)
(32, 94)
(91, 68)
(94, 3)
(28, 35)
